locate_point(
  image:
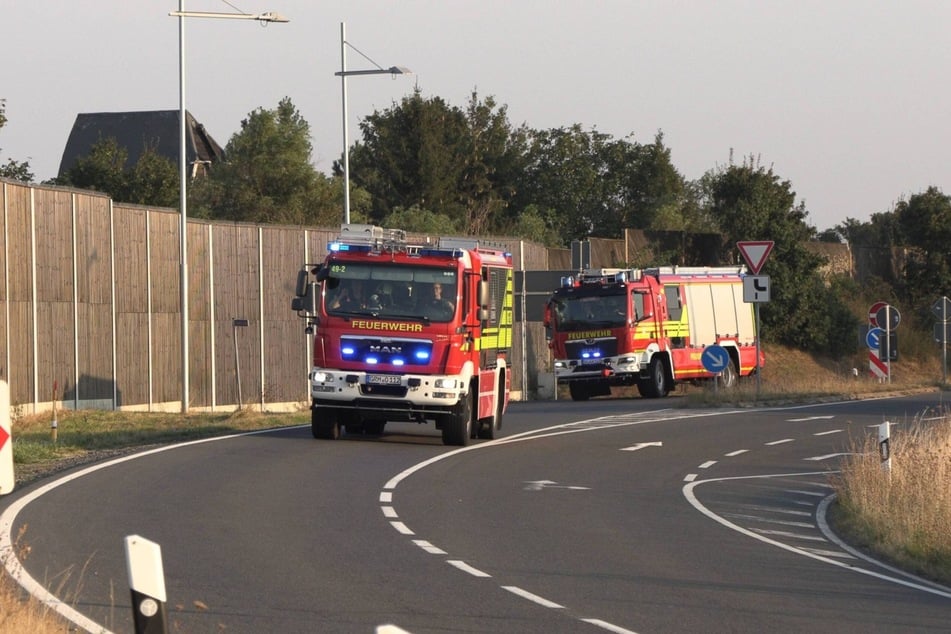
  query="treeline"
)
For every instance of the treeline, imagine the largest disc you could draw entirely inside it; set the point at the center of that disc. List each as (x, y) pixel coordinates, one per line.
(428, 166)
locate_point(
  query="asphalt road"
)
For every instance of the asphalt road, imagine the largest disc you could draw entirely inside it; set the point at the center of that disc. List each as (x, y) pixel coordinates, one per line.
(628, 515)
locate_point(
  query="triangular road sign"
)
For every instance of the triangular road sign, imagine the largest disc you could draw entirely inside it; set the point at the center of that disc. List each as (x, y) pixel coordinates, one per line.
(755, 253)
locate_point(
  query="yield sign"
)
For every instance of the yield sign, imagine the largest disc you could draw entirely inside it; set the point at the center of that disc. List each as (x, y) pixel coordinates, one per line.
(755, 253)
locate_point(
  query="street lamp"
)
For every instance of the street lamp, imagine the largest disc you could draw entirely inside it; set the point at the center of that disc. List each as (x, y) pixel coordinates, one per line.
(343, 74)
(181, 14)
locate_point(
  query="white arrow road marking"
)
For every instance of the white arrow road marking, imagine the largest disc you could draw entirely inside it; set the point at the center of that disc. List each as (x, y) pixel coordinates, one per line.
(641, 445)
(538, 485)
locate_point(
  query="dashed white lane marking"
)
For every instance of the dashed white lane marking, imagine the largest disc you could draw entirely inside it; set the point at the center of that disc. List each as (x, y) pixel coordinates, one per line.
(827, 456)
(774, 509)
(464, 567)
(736, 453)
(386, 495)
(780, 442)
(429, 548)
(534, 598)
(607, 626)
(690, 477)
(707, 464)
(826, 433)
(818, 494)
(764, 520)
(791, 535)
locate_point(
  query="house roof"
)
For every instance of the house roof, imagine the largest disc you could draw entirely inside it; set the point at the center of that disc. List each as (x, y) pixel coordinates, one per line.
(135, 131)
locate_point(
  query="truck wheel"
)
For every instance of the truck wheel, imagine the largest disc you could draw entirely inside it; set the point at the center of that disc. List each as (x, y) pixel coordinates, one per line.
(656, 385)
(578, 391)
(324, 423)
(490, 430)
(728, 376)
(458, 427)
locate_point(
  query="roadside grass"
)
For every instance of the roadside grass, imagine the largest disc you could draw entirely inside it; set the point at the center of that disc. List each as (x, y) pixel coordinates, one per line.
(902, 514)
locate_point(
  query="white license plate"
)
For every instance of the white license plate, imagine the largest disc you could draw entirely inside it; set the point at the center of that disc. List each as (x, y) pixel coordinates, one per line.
(383, 379)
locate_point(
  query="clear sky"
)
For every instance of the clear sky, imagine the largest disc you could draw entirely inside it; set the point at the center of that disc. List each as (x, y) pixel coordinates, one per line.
(846, 99)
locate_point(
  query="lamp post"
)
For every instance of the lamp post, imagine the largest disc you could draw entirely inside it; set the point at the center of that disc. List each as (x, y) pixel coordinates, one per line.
(343, 74)
(181, 14)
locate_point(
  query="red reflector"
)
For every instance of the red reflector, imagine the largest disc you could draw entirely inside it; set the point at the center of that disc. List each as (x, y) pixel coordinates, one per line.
(607, 372)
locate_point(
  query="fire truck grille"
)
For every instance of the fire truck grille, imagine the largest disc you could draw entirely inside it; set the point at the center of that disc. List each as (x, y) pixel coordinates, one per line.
(591, 351)
(393, 351)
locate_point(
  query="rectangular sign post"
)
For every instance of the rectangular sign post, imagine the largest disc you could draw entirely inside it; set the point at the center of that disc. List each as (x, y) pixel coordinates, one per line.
(755, 254)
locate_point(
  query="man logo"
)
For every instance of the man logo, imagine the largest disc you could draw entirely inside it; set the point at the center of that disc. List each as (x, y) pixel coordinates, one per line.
(387, 349)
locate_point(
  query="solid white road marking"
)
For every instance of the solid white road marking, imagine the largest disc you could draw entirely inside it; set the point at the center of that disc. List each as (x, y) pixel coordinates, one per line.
(799, 420)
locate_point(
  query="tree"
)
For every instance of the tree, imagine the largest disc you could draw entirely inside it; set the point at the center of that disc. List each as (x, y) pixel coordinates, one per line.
(153, 180)
(926, 224)
(752, 203)
(267, 175)
(13, 169)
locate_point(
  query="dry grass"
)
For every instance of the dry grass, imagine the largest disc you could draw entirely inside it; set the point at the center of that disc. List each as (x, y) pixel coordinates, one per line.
(903, 513)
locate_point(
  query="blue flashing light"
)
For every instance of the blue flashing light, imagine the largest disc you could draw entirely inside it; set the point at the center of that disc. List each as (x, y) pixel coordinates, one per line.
(422, 355)
(597, 355)
(372, 360)
(585, 355)
(348, 351)
(398, 362)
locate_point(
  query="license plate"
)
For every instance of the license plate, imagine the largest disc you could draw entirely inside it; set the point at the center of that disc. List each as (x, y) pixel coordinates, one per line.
(383, 379)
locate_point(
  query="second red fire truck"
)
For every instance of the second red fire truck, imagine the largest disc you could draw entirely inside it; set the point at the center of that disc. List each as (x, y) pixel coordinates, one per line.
(649, 328)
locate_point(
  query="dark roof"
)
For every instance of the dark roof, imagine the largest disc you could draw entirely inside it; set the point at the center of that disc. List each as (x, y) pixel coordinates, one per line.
(137, 130)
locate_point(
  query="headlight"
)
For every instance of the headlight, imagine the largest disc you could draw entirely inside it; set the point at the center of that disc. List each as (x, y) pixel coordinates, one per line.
(321, 377)
(559, 364)
(446, 384)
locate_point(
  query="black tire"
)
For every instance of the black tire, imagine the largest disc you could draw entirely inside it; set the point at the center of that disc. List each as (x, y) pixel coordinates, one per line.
(657, 384)
(728, 377)
(490, 430)
(324, 423)
(578, 391)
(457, 429)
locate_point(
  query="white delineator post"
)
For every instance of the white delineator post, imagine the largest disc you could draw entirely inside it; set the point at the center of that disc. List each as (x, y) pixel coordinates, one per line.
(884, 448)
(147, 583)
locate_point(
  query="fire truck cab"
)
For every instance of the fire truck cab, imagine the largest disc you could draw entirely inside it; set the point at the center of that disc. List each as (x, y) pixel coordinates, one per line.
(649, 328)
(407, 332)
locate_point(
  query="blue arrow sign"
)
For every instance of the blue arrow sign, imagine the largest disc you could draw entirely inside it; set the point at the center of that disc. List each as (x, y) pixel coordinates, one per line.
(874, 338)
(715, 358)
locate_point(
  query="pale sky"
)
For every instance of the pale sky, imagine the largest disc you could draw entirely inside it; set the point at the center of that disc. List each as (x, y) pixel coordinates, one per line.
(846, 99)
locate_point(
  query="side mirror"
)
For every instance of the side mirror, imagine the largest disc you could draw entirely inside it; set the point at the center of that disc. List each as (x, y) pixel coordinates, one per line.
(546, 320)
(323, 273)
(307, 302)
(301, 287)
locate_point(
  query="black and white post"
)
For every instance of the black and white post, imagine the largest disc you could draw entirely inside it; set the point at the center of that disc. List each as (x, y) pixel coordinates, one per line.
(147, 582)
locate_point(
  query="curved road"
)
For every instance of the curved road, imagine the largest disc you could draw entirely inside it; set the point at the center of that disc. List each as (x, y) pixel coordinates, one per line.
(627, 515)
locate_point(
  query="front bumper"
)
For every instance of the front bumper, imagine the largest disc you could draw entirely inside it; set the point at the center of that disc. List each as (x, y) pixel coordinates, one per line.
(387, 392)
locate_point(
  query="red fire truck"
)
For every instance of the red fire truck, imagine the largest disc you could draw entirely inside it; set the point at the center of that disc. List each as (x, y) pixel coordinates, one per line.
(406, 331)
(649, 328)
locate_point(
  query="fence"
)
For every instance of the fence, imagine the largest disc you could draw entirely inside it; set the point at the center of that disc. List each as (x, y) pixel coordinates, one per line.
(90, 306)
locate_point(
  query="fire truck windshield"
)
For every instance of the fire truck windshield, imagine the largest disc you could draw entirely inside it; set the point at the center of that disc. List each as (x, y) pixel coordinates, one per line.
(388, 291)
(586, 310)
